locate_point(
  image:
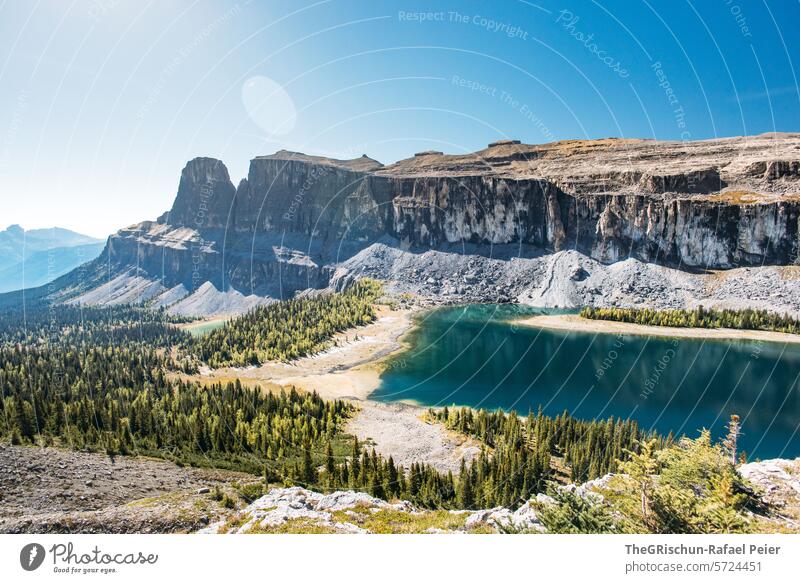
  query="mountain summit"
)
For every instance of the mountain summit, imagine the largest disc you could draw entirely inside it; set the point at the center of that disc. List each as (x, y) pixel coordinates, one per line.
(566, 223)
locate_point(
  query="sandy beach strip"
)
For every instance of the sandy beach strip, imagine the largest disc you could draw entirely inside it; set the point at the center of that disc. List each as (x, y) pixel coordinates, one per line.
(575, 323)
(350, 368)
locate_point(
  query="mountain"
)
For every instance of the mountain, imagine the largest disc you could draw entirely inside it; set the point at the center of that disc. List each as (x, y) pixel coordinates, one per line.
(579, 222)
(32, 258)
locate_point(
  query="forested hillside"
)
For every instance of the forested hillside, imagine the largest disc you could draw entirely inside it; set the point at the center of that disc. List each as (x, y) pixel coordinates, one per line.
(290, 329)
(39, 322)
(120, 401)
(100, 379)
(588, 448)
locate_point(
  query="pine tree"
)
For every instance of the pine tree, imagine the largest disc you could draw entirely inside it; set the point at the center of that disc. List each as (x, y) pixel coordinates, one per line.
(466, 496)
(731, 441)
(641, 466)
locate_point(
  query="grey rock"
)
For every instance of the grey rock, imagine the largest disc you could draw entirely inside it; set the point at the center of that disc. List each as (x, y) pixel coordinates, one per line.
(524, 518)
(777, 479)
(296, 219)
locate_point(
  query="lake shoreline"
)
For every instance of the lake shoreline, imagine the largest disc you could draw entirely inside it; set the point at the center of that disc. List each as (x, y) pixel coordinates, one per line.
(366, 368)
(204, 325)
(576, 323)
(351, 368)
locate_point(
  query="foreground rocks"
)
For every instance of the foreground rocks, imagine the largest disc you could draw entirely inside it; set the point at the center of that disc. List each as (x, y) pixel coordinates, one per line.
(300, 511)
(55, 491)
(779, 482)
(297, 510)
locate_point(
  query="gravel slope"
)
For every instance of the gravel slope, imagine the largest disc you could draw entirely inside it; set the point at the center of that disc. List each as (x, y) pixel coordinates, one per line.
(54, 490)
(398, 430)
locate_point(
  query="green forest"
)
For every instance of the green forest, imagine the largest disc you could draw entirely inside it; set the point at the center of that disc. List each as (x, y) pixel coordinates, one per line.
(289, 329)
(589, 448)
(700, 317)
(690, 486)
(39, 322)
(101, 379)
(120, 401)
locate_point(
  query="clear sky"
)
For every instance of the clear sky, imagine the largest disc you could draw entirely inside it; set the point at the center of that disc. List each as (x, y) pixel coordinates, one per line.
(102, 102)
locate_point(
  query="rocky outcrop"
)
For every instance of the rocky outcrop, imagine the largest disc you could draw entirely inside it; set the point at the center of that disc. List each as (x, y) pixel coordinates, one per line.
(777, 479)
(205, 195)
(298, 510)
(504, 520)
(295, 218)
(51, 490)
(690, 216)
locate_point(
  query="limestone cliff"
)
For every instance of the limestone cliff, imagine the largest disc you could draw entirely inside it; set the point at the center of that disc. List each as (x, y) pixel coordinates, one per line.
(701, 205)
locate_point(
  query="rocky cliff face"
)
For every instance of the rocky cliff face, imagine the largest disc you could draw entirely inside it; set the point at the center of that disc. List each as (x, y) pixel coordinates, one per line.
(701, 205)
(205, 195)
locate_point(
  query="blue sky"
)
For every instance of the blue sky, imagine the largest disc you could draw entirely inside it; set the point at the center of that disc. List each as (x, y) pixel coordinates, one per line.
(103, 101)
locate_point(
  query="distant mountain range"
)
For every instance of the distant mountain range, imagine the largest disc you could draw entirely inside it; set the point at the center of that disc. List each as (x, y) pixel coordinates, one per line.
(35, 257)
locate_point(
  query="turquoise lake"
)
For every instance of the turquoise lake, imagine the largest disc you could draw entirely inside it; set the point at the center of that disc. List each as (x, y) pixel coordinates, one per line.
(476, 356)
(200, 328)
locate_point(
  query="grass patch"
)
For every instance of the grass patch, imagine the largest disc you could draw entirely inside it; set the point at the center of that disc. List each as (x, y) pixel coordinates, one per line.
(391, 521)
(737, 197)
(235, 521)
(296, 526)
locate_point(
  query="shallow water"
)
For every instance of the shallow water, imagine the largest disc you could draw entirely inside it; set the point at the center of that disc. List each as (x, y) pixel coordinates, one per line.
(200, 328)
(476, 355)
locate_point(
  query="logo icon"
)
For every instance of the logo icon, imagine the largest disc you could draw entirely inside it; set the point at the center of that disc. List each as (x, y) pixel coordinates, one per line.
(31, 556)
